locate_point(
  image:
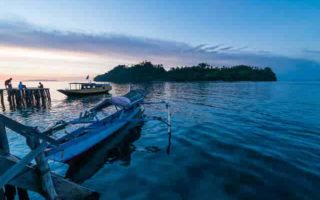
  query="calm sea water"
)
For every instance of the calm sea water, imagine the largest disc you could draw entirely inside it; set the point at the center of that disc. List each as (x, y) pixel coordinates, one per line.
(229, 141)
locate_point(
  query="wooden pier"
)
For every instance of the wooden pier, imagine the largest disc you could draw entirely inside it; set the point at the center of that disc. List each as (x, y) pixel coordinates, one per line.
(20, 175)
(25, 98)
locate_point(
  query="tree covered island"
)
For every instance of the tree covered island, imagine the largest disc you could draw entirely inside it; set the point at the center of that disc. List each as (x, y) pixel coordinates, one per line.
(146, 72)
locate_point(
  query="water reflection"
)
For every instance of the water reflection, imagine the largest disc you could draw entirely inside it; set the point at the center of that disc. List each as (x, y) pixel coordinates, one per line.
(232, 141)
(87, 99)
(117, 148)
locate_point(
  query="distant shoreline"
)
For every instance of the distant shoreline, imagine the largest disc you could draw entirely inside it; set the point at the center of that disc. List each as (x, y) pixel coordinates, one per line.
(147, 72)
(39, 80)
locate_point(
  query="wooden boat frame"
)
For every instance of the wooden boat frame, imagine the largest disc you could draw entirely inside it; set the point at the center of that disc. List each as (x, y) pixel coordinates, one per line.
(82, 139)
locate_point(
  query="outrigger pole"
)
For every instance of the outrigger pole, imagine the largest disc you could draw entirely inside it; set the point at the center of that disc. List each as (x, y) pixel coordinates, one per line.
(24, 175)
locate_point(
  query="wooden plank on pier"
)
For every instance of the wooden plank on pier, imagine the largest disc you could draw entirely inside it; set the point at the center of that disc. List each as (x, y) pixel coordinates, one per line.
(42, 164)
(29, 179)
(26, 130)
(16, 169)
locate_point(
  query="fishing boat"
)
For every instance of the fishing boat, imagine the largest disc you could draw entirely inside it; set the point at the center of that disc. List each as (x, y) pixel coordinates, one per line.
(129, 108)
(85, 89)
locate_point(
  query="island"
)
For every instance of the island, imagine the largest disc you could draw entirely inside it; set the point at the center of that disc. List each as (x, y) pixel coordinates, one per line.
(147, 72)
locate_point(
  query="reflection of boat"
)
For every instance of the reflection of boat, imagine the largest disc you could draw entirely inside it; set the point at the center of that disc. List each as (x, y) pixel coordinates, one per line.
(117, 148)
(129, 107)
(84, 89)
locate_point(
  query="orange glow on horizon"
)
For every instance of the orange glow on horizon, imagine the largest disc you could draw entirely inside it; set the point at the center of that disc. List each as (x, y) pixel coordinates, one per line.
(35, 63)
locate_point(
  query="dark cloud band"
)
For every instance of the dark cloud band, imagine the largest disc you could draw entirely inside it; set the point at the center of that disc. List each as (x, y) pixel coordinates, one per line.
(170, 53)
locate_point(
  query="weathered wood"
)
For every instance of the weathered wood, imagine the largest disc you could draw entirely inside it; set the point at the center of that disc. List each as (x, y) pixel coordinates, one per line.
(10, 192)
(2, 100)
(11, 98)
(37, 97)
(42, 164)
(30, 179)
(16, 95)
(2, 193)
(23, 194)
(4, 144)
(26, 97)
(19, 174)
(16, 169)
(25, 130)
(48, 94)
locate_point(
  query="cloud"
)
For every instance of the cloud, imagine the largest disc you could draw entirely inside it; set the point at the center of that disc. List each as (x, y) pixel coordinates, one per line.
(212, 48)
(135, 49)
(311, 51)
(197, 48)
(226, 48)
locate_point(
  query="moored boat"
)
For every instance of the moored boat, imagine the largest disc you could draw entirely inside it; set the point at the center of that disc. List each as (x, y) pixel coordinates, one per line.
(129, 108)
(85, 89)
(82, 139)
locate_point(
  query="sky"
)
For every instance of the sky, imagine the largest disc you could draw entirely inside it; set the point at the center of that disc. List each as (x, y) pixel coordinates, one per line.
(66, 39)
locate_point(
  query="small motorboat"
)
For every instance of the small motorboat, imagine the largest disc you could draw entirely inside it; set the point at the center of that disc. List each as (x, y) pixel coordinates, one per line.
(85, 89)
(128, 108)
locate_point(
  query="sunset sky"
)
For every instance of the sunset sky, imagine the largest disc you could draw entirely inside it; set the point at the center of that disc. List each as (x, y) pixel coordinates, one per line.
(66, 39)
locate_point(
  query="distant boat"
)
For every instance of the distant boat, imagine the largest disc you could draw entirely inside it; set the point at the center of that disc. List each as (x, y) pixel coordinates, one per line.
(85, 89)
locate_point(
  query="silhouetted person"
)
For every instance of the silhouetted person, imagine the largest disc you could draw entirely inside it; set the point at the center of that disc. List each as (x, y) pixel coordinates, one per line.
(21, 86)
(40, 85)
(8, 84)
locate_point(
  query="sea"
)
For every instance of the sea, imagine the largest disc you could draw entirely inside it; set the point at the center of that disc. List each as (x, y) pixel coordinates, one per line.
(229, 140)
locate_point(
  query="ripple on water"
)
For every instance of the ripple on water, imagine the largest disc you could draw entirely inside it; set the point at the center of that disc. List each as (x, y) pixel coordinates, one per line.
(230, 141)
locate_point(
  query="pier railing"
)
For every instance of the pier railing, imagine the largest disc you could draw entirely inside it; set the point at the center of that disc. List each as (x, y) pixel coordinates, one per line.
(23, 175)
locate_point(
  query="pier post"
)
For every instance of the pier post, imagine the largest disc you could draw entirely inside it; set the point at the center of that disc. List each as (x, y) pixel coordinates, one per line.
(16, 94)
(10, 192)
(4, 144)
(23, 194)
(26, 98)
(42, 164)
(37, 97)
(2, 193)
(43, 97)
(2, 101)
(10, 98)
(33, 97)
(48, 95)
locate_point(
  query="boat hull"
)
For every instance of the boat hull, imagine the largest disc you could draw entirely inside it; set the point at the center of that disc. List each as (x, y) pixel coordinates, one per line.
(69, 150)
(86, 92)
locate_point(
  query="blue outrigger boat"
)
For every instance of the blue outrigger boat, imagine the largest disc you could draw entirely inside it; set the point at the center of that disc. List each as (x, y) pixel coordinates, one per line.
(129, 108)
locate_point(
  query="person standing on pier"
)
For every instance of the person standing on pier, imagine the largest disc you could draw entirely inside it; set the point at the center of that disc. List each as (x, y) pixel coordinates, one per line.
(40, 85)
(8, 84)
(21, 86)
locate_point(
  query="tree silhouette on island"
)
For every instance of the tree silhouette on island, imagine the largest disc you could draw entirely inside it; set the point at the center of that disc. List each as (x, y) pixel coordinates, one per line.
(147, 72)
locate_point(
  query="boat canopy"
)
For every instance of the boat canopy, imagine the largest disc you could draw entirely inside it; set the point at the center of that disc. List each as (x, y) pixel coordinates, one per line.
(79, 83)
(120, 101)
(131, 98)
